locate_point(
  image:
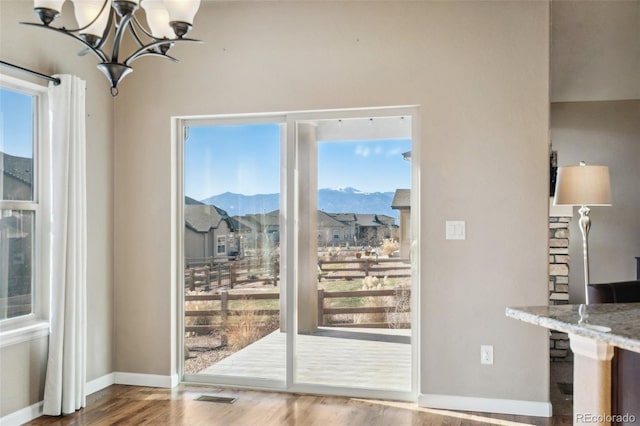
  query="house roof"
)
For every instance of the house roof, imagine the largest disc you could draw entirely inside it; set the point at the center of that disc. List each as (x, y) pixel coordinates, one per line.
(401, 199)
(192, 201)
(374, 220)
(385, 220)
(246, 223)
(19, 168)
(367, 220)
(203, 217)
(267, 219)
(328, 221)
(343, 217)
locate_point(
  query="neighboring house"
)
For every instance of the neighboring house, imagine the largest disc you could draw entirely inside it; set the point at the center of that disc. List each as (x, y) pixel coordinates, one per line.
(349, 219)
(257, 231)
(372, 229)
(265, 229)
(333, 229)
(402, 202)
(209, 232)
(333, 232)
(16, 233)
(17, 177)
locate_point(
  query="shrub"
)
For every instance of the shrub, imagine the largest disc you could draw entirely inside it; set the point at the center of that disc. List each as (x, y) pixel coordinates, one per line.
(389, 246)
(248, 327)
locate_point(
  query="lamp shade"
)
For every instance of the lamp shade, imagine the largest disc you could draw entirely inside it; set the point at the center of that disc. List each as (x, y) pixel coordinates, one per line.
(583, 185)
(182, 10)
(158, 18)
(49, 4)
(86, 11)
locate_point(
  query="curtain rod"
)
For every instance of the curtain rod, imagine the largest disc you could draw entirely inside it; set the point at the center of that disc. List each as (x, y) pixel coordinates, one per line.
(56, 81)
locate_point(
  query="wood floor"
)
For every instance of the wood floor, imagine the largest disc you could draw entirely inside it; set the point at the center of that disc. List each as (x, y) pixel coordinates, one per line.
(132, 405)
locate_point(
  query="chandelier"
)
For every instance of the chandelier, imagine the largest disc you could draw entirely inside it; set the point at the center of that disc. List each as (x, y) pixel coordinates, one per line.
(101, 20)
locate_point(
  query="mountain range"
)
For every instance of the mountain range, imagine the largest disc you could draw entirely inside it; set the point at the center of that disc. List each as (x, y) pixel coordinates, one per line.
(330, 200)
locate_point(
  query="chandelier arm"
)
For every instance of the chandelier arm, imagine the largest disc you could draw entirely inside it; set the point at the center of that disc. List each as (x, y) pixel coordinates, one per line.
(95, 51)
(145, 50)
(142, 53)
(107, 29)
(120, 32)
(137, 23)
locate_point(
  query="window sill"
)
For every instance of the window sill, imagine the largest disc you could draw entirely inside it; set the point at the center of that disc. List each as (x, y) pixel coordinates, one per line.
(27, 332)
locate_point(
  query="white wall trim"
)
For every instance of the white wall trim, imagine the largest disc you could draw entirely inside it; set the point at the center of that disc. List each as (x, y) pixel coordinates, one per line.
(24, 415)
(150, 380)
(100, 383)
(31, 331)
(486, 405)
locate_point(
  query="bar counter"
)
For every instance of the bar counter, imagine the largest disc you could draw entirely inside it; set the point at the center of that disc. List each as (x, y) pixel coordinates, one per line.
(593, 332)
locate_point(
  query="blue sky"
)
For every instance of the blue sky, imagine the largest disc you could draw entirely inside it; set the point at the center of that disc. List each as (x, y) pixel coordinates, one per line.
(246, 159)
(15, 123)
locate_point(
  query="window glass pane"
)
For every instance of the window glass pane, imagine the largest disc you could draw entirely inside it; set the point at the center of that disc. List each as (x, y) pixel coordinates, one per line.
(16, 145)
(17, 241)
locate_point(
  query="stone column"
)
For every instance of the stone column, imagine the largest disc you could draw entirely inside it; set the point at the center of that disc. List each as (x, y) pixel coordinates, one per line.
(559, 238)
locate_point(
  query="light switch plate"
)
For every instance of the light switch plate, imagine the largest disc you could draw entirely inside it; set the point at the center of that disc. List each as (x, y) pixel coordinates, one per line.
(455, 230)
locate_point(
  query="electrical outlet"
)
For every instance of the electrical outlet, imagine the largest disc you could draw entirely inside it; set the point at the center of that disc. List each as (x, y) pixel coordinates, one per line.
(486, 354)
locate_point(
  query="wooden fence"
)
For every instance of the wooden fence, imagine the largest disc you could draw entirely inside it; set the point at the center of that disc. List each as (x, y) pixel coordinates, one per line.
(341, 269)
(205, 274)
(401, 296)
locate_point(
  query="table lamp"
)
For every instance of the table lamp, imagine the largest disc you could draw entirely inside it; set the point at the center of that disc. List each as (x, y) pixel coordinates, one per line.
(583, 186)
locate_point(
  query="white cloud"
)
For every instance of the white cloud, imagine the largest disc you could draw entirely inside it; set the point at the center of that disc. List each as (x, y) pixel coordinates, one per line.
(394, 152)
(363, 151)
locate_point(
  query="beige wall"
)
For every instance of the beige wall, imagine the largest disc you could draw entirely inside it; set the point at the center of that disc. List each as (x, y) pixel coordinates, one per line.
(479, 71)
(22, 366)
(606, 133)
(595, 53)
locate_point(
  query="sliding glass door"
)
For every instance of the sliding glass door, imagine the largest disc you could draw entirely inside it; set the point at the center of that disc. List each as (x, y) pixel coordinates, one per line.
(298, 271)
(354, 276)
(232, 235)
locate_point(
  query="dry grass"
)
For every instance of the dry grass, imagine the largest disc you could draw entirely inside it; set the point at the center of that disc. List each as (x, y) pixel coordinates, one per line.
(246, 328)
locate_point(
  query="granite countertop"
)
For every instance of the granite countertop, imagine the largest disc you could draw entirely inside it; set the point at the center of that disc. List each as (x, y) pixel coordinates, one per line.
(617, 324)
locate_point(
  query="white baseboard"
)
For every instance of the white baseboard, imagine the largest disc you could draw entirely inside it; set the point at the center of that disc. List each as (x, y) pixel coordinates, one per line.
(150, 380)
(23, 416)
(486, 405)
(100, 383)
(34, 411)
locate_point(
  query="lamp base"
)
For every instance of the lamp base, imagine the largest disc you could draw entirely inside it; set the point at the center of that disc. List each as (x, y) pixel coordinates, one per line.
(180, 28)
(585, 225)
(46, 15)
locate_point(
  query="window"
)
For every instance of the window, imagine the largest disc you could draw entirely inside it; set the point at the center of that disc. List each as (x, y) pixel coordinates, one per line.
(23, 289)
(222, 246)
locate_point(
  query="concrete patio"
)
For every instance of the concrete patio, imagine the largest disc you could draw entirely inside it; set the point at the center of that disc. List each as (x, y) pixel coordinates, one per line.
(353, 357)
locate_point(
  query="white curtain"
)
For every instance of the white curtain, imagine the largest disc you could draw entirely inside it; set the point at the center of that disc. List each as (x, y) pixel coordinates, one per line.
(66, 373)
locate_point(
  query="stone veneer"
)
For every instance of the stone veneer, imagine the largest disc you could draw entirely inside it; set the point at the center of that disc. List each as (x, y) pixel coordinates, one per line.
(559, 219)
